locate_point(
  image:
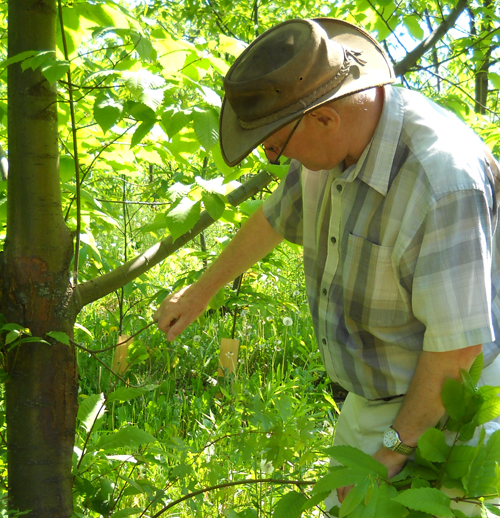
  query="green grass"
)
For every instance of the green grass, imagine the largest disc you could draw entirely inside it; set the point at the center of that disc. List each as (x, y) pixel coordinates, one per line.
(270, 419)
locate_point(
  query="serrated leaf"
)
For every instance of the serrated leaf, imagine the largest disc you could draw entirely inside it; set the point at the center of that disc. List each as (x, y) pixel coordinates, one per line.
(386, 506)
(127, 393)
(130, 437)
(90, 408)
(107, 111)
(214, 205)
(355, 458)
(183, 217)
(481, 478)
(59, 336)
(206, 127)
(432, 445)
(290, 505)
(477, 368)
(426, 499)
(489, 410)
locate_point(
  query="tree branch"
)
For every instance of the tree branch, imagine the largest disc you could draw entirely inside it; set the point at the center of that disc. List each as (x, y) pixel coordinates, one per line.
(99, 287)
(413, 56)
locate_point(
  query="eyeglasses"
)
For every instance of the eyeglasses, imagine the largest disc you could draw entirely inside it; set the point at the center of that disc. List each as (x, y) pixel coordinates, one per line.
(276, 161)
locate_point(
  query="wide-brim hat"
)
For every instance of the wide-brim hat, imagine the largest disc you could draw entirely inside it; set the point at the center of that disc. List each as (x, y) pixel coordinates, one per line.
(289, 71)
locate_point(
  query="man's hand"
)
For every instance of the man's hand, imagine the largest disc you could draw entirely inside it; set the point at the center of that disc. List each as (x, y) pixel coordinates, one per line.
(392, 460)
(179, 310)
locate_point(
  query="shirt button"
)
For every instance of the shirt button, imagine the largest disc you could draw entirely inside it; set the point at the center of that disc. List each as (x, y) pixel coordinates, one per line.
(323, 341)
(325, 291)
(339, 187)
(333, 239)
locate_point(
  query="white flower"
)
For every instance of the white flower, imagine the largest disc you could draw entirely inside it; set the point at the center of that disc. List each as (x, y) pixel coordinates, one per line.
(287, 321)
(196, 338)
(296, 293)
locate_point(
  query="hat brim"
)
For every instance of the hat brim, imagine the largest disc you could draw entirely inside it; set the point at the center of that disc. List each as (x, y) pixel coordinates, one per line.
(236, 142)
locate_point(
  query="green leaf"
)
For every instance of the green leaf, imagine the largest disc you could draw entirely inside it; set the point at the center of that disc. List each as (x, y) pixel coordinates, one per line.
(90, 409)
(355, 458)
(12, 336)
(130, 437)
(290, 505)
(141, 132)
(127, 393)
(108, 111)
(183, 217)
(145, 87)
(314, 500)
(206, 127)
(340, 477)
(427, 500)
(481, 478)
(55, 70)
(18, 57)
(453, 395)
(214, 205)
(493, 509)
(459, 460)
(66, 167)
(433, 446)
(59, 336)
(477, 368)
(354, 497)
(489, 410)
(411, 23)
(173, 122)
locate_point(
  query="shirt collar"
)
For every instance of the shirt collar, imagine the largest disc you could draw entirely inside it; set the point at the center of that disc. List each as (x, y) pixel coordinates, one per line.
(375, 164)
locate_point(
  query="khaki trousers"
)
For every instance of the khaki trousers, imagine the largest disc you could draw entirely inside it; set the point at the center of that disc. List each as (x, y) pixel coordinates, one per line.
(362, 424)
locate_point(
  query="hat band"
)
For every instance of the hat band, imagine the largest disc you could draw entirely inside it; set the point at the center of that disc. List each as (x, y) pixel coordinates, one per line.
(336, 81)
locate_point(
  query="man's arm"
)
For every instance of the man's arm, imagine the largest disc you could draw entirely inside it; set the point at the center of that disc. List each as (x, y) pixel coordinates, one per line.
(423, 406)
(254, 240)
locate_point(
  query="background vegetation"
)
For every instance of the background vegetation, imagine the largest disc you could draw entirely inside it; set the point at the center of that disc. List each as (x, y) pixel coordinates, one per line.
(137, 89)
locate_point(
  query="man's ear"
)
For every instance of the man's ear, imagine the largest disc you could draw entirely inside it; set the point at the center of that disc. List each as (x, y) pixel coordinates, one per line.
(327, 116)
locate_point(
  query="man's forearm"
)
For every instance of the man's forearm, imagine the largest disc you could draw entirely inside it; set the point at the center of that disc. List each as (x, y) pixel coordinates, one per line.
(423, 406)
(254, 240)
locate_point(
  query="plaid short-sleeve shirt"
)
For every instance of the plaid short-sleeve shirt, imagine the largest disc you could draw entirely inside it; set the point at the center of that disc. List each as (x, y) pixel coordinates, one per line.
(399, 249)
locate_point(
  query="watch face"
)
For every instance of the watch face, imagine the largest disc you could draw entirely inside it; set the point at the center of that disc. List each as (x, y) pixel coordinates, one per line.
(390, 438)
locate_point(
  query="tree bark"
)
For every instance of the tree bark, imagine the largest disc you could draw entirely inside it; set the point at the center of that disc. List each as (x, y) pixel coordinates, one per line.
(41, 394)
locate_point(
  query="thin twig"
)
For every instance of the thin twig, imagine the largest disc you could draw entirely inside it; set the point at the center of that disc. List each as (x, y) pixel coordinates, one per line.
(93, 351)
(75, 150)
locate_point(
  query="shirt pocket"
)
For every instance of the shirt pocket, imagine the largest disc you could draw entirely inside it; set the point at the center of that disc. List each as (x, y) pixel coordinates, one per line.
(373, 294)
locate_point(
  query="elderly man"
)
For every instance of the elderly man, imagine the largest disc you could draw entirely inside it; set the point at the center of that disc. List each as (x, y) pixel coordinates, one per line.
(393, 200)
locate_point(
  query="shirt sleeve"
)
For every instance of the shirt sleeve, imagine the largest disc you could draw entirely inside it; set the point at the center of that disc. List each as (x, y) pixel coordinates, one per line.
(283, 209)
(452, 290)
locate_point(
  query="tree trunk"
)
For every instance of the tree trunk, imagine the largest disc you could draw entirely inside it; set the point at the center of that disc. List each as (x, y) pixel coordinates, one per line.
(41, 394)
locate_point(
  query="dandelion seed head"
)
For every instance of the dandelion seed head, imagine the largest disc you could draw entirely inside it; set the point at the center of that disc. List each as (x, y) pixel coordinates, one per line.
(287, 321)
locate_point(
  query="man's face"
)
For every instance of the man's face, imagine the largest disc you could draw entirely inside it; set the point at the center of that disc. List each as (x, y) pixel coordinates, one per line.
(311, 144)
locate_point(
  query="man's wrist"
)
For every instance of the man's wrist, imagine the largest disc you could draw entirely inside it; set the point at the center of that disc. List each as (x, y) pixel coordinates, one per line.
(393, 441)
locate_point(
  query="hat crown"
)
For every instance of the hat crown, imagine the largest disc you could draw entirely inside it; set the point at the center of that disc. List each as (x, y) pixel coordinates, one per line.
(281, 68)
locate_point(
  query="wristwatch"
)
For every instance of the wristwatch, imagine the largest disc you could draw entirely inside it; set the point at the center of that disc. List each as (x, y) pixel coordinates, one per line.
(393, 442)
